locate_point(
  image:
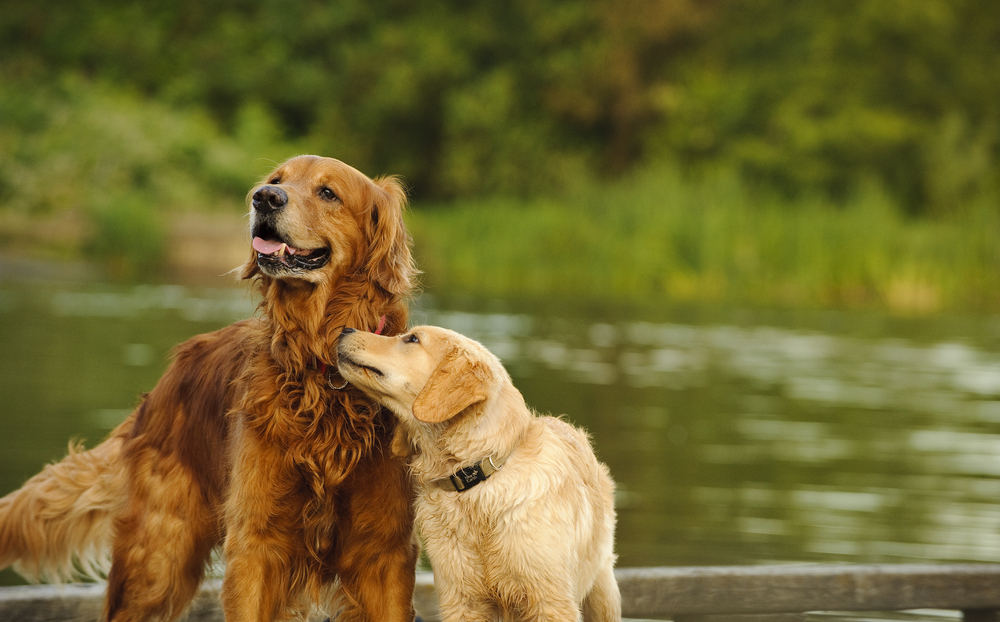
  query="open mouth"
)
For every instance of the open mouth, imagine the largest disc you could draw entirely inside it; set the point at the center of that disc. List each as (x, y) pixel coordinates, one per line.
(352, 363)
(276, 255)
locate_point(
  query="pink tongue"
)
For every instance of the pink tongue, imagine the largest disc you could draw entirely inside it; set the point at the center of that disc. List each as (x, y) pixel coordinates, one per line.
(270, 247)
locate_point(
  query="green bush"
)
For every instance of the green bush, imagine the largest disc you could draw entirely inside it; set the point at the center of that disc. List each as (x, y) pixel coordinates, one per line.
(115, 166)
(479, 97)
(664, 236)
(128, 237)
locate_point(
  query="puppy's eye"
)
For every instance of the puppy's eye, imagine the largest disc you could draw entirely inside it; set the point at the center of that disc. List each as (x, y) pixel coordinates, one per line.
(327, 194)
(275, 181)
(411, 338)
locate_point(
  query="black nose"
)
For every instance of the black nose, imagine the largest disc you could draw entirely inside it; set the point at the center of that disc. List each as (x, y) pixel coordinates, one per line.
(269, 199)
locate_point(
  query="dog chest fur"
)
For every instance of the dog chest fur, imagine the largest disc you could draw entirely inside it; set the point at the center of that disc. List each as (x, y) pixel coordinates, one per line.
(532, 541)
(558, 518)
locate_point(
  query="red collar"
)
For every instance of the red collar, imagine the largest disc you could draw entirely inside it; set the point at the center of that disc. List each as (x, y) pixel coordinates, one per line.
(321, 366)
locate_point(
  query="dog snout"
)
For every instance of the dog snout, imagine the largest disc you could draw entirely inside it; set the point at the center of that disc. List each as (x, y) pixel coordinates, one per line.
(269, 199)
(343, 339)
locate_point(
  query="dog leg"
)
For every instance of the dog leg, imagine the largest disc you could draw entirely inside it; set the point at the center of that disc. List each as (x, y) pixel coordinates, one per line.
(381, 589)
(457, 607)
(262, 526)
(555, 609)
(378, 552)
(165, 536)
(603, 603)
(257, 586)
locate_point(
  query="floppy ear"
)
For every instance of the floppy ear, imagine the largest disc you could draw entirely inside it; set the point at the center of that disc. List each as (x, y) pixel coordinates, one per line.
(390, 262)
(458, 383)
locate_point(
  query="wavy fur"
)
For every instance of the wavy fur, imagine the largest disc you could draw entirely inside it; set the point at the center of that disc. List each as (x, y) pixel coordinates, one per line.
(534, 541)
(243, 443)
(57, 527)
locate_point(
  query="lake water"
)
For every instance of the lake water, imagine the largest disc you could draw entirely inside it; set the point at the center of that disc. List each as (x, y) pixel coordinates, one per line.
(736, 436)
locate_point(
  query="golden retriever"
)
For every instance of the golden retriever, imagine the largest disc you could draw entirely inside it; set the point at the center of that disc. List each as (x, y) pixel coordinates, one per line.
(516, 512)
(247, 442)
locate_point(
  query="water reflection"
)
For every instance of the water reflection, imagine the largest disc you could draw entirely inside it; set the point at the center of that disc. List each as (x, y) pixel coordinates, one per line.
(204, 306)
(737, 444)
(734, 438)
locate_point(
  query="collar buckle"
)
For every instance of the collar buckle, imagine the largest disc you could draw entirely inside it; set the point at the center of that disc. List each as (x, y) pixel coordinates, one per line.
(466, 478)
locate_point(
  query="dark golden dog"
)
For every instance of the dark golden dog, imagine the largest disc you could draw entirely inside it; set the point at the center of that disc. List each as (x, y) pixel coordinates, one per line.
(245, 441)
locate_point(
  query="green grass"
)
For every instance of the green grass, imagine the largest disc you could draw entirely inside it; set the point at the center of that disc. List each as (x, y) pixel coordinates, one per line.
(662, 236)
(91, 171)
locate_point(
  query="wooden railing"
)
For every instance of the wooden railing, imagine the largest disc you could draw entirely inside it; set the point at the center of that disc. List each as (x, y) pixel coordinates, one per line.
(687, 594)
(780, 593)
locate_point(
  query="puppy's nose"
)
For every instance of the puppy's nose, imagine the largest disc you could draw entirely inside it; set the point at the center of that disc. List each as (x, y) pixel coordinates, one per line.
(269, 199)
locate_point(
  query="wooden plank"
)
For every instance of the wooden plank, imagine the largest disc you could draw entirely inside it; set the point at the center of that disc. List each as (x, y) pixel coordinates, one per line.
(83, 602)
(654, 593)
(658, 592)
(425, 600)
(741, 617)
(45, 603)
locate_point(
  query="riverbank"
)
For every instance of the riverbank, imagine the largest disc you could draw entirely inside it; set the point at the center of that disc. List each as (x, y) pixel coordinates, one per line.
(198, 248)
(659, 237)
(663, 236)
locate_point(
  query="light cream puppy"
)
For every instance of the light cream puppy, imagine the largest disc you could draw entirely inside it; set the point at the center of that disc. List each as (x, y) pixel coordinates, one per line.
(516, 512)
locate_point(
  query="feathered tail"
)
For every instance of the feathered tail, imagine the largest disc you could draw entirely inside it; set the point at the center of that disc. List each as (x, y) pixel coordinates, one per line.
(58, 526)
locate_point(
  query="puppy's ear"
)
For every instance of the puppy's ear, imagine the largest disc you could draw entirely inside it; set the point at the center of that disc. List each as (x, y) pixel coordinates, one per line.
(458, 383)
(390, 262)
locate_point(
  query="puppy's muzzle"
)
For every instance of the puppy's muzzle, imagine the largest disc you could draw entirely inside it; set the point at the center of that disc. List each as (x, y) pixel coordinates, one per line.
(269, 199)
(343, 346)
(345, 354)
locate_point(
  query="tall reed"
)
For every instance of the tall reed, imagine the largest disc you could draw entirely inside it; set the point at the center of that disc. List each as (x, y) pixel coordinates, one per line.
(666, 236)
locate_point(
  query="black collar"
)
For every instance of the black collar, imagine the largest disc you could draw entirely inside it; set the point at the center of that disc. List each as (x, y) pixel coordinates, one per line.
(466, 478)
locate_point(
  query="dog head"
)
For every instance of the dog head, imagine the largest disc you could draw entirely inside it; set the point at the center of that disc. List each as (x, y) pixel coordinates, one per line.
(427, 375)
(315, 219)
(454, 400)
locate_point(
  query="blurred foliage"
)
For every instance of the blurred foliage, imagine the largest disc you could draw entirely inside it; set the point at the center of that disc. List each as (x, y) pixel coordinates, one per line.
(831, 95)
(478, 98)
(663, 235)
(852, 116)
(88, 167)
(128, 238)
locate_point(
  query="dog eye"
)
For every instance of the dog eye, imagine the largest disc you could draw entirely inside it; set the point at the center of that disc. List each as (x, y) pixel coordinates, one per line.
(327, 194)
(275, 181)
(411, 338)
